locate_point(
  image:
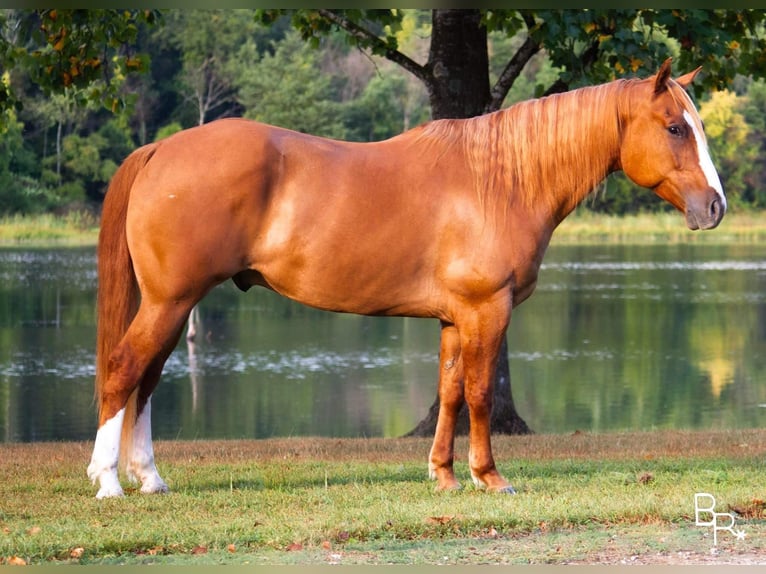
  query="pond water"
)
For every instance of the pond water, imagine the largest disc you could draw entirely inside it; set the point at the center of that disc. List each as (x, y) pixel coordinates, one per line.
(615, 338)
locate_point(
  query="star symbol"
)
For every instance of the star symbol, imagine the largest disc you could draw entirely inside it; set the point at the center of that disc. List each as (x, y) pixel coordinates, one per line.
(740, 534)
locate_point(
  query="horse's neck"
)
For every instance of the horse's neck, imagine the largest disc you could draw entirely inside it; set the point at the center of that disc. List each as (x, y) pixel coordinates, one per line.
(562, 147)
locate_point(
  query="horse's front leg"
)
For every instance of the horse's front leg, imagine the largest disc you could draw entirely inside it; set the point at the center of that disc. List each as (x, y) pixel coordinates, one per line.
(481, 340)
(440, 460)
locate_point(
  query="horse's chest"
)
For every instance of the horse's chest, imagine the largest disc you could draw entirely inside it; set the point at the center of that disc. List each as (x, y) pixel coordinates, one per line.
(525, 265)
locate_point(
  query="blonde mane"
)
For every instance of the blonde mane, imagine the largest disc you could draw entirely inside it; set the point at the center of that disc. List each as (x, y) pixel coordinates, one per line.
(554, 149)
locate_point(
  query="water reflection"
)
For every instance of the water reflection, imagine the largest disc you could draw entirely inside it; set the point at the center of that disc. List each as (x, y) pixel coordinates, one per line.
(616, 337)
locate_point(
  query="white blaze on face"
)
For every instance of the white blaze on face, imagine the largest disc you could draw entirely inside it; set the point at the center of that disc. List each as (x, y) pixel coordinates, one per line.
(706, 164)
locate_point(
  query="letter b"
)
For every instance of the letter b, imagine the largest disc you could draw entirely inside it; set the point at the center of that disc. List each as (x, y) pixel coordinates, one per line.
(698, 509)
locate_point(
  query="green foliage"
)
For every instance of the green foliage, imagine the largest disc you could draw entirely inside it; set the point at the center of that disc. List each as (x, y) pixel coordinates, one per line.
(315, 24)
(729, 142)
(618, 195)
(208, 41)
(284, 89)
(87, 163)
(753, 109)
(168, 130)
(85, 49)
(384, 109)
(18, 190)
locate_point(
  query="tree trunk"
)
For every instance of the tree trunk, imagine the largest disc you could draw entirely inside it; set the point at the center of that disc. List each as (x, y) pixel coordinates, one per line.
(458, 62)
(58, 151)
(459, 88)
(504, 419)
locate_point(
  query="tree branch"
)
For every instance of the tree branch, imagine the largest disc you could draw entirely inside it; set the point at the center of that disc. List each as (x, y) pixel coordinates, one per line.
(510, 73)
(379, 45)
(588, 58)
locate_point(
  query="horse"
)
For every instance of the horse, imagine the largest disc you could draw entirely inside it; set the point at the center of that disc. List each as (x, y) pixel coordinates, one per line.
(449, 220)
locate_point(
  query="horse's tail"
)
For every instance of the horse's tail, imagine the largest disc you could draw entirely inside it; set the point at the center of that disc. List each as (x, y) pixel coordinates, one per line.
(118, 294)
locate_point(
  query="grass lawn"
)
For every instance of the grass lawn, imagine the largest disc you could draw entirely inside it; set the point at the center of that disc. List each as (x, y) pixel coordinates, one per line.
(583, 498)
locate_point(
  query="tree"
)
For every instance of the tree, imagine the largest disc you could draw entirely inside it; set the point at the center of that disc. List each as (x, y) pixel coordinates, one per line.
(89, 51)
(15, 164)
(208, 41)
(730, 144)
(293, 68)
(753, 109)
(586, 46)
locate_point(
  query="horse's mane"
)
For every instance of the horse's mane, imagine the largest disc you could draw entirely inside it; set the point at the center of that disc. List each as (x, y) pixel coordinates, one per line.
(548, 149)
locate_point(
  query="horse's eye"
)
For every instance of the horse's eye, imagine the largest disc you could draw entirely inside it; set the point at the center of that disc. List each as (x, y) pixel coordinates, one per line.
(676, 130)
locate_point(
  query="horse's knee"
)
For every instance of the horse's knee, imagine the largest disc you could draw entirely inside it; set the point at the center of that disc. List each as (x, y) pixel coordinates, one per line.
(479, 399)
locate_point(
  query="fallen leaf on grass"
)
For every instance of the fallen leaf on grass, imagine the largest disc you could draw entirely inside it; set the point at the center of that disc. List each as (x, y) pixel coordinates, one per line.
(440, 519)
(326, 545)
(199, 550)
(756, 508)
(77, 553)
(294, 547)
(34, 530)
(231, 548)
(645, 478)
(16, 561)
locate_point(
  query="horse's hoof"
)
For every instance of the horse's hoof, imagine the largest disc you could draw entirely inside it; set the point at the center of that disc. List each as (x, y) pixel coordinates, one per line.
(110, 493)
(506, 490)
(155, 488)
(456, 487)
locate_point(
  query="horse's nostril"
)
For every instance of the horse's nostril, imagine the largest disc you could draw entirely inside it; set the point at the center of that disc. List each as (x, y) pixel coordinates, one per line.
(715, 209)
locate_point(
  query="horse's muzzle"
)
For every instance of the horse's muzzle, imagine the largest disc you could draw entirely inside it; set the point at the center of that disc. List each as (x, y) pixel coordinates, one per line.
(705, 215)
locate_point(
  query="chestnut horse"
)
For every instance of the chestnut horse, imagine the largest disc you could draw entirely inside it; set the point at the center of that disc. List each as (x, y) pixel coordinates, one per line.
(449, 220)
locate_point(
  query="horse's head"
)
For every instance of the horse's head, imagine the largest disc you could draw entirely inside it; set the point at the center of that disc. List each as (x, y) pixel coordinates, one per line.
(664, 148)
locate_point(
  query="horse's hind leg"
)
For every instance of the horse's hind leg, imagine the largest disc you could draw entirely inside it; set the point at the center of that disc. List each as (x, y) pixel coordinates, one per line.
(134, 366)
(140, 465)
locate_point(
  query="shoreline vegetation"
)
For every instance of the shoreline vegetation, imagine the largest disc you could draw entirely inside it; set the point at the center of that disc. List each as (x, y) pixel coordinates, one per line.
(581, 227)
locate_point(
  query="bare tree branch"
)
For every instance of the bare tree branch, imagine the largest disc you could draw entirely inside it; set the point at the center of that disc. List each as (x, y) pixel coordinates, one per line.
(209, 89)
(362, 33)
(510, 73)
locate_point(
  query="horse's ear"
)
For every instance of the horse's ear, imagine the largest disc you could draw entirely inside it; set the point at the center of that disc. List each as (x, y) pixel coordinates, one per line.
(662, 77)
(686, 80)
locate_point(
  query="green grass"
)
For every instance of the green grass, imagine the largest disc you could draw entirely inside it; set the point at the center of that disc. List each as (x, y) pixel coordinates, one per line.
(75, 228)
(581, 498)
(585, 227)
